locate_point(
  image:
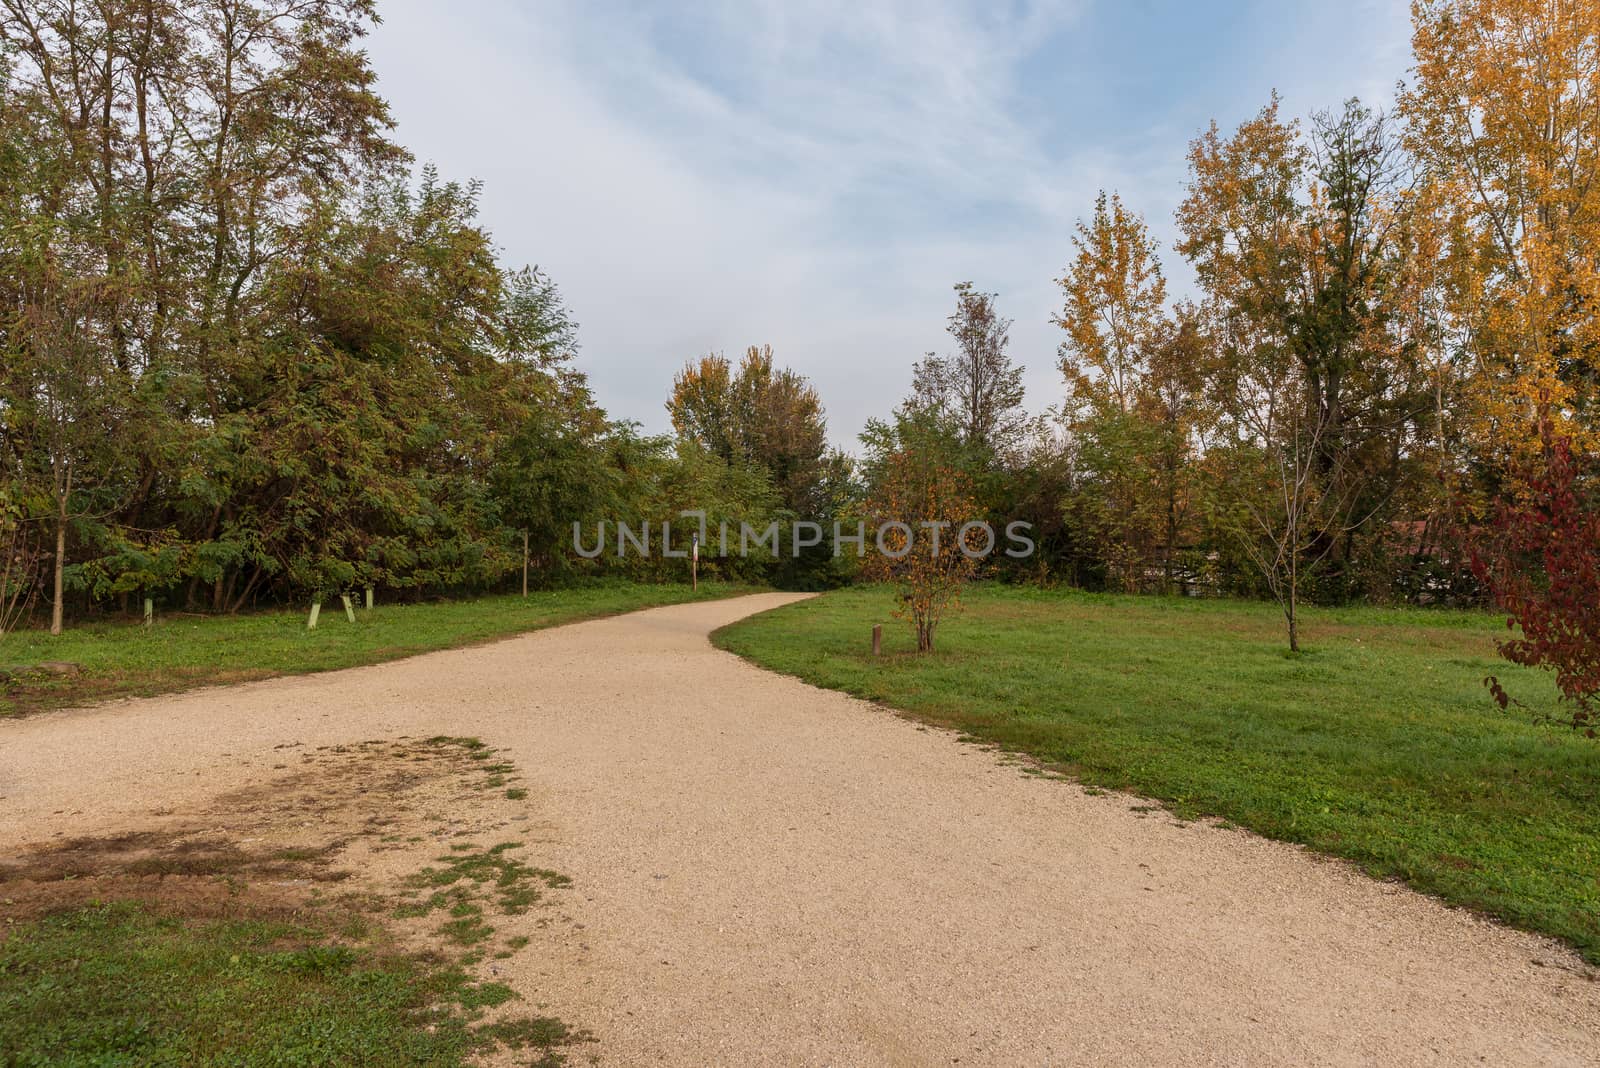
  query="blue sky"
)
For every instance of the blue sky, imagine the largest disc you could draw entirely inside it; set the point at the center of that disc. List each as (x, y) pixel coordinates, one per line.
(817, 176)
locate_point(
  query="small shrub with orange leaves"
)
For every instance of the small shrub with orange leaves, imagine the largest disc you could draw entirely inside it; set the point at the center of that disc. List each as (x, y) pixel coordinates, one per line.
(919, 539)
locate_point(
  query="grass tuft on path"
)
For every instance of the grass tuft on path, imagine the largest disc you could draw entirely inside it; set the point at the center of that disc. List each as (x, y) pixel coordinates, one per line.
(122, 659)
(1378, 744)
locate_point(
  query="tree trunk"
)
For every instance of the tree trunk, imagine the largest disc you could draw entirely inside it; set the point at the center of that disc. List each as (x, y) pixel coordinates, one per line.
(1294, 609)
(56, 607)
(6, 597)
(249, 588)
(191, 597)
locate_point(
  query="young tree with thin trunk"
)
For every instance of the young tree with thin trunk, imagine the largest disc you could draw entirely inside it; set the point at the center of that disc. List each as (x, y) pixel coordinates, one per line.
(1275, 499)
(1298, 248)
(919, 508)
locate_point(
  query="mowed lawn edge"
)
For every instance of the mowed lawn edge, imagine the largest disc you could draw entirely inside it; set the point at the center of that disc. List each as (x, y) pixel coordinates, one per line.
(1378, 744)
(182, 652)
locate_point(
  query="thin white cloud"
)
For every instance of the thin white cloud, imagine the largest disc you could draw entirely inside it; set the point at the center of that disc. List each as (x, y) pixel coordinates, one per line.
(811, 176)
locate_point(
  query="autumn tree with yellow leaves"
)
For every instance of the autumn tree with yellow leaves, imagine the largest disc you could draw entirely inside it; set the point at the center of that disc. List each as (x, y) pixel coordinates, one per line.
(1129, 367)
(1502, 120)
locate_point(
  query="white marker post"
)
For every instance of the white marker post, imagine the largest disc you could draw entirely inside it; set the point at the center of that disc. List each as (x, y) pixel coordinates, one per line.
(694, 564)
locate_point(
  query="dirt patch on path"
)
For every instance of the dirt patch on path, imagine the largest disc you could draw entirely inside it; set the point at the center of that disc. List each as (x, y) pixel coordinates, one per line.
(298, 834)
(766, 873)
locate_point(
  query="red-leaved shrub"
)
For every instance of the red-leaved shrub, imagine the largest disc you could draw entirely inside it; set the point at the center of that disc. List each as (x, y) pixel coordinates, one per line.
(1540, 559)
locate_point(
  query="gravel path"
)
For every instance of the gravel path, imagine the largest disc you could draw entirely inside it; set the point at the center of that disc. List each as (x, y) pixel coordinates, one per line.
(766, 873)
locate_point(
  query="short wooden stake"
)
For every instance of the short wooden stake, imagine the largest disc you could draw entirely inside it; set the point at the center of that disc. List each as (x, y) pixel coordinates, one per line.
(877, 639)
(149, 613)
(316, 610)
(349, 609)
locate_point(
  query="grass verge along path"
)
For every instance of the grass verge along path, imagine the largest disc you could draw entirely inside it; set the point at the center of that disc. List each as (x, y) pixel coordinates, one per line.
(1378, 744)
(122, 659)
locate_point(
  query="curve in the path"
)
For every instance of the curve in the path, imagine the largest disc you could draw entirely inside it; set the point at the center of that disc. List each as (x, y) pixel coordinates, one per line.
(767, 873)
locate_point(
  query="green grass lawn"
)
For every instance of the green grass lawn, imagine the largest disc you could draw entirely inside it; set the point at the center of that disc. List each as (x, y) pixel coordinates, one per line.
(123, 659)
(120, 983)
(1378, 743)
(117, 984)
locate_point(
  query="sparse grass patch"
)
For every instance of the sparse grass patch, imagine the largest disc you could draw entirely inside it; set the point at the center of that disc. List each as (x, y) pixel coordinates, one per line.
(467, 878)
(537, 1032)
(467, 930)
(484, 995)
(1378, 744)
